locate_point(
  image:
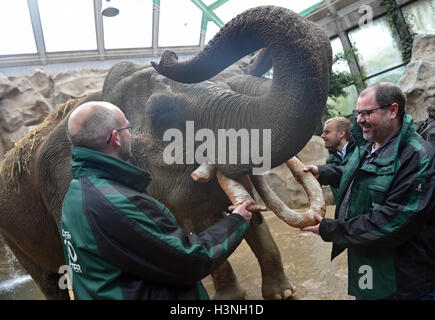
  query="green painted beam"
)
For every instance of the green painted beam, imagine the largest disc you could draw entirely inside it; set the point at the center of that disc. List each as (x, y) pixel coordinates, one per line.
(208, 15)
(308, 10)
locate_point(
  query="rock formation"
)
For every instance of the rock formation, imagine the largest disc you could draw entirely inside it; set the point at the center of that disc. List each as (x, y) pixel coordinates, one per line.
(418, 80)
(26, 100)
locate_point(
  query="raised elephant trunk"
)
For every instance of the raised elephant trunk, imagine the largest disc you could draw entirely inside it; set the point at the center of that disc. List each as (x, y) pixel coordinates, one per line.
(291, 108)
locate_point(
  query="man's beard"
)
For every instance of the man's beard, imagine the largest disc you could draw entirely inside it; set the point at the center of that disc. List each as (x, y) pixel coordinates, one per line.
(368, 136)
(125, 152)
(378, 132)
(332, 144)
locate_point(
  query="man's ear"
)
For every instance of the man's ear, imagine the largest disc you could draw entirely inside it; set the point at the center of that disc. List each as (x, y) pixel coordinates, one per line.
(341, 134)
(394, 110)
(116, 139)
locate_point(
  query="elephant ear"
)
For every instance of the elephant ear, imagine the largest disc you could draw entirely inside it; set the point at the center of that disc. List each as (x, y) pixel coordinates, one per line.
(163, 113)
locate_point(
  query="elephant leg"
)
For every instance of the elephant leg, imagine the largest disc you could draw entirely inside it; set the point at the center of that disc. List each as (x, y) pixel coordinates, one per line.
(47, 281)
(226, 284)
(275, 284)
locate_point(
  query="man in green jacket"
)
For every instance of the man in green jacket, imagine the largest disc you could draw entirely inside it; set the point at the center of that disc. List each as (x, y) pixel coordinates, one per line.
(337, 136)
(386, 213)
(119, 242)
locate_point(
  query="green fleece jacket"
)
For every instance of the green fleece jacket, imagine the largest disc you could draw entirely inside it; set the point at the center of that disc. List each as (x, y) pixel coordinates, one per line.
(123, 244)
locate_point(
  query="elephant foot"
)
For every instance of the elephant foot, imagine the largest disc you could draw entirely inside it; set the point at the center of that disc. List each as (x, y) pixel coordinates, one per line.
(277, 287)
(230, 293)
(226, 284)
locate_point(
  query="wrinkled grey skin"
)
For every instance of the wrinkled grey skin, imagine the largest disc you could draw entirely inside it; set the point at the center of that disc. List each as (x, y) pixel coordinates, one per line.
(290, 105)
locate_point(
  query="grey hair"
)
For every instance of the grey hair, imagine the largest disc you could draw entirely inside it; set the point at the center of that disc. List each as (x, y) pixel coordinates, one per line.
(93, 132)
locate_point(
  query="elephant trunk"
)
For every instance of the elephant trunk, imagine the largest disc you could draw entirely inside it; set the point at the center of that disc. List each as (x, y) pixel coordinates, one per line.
(290, 109)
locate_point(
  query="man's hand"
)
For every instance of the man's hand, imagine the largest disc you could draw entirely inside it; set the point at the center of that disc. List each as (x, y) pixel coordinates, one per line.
(313, 169)
(241, 209)
(314, 229)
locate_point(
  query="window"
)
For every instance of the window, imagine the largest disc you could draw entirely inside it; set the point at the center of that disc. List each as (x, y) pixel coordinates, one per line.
(16, 35)
(132, 27)
(344, 104)
(376, 45)
(337, 48)
(177, 28)
(68, 25)
(420, 16)
(390, 76)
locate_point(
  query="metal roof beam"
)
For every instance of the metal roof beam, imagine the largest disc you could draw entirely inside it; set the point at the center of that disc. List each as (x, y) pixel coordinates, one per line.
(208, 15)
(156, 26)
(37, 29)
(91, 55)
(99, 28)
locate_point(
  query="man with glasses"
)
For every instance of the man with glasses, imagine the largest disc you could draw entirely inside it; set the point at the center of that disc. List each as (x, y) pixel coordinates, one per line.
(119, 242)
(386, 213)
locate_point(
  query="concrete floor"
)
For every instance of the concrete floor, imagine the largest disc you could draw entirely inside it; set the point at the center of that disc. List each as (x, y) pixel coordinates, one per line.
(306, 259)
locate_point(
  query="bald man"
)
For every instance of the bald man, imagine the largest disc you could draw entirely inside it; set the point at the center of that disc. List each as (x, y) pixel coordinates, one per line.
(92, 122)
(119, 242)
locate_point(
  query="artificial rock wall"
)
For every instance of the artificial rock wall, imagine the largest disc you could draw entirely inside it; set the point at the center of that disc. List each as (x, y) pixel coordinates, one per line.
(418, 80)
(26, 100)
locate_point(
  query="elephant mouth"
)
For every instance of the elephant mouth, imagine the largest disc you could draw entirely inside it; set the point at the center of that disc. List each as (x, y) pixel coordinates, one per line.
(237, 192)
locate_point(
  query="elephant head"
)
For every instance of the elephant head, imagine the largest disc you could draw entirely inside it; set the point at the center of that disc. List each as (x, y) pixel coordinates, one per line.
(171, 93)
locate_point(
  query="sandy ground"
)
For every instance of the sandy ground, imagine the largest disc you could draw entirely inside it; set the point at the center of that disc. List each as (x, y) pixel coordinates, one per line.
(306, 260)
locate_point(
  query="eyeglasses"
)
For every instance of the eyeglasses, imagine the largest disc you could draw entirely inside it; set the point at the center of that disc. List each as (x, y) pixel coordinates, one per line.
(366, 113)
(120, 129)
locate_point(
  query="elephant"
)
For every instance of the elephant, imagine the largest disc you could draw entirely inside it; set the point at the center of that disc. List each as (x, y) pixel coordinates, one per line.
(35, 174)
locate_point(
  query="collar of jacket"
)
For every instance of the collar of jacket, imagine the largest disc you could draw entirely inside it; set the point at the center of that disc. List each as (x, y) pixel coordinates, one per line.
(391, 153)
(88, 162)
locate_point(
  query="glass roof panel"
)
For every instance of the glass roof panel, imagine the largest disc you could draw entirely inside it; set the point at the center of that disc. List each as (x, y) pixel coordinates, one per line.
(68, 25)
(17, 34)
(132, 27)
(180, 23)
(212, 29)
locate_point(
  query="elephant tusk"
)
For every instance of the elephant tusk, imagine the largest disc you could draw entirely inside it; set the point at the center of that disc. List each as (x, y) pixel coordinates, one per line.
(252, 207)
(289, 216)
(310, 184)
(237, 193)
(204, 173)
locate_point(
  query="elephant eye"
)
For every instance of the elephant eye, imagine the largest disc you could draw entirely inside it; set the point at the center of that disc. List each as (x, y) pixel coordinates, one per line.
(164, 115)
